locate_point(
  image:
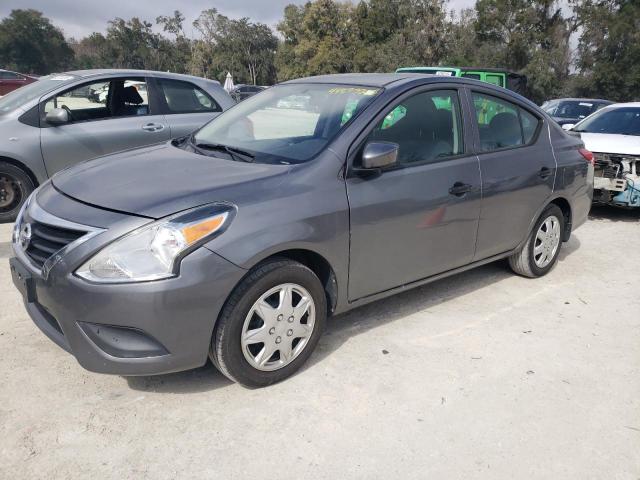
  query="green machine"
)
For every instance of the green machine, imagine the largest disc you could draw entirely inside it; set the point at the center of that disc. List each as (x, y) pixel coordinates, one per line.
(495, 76)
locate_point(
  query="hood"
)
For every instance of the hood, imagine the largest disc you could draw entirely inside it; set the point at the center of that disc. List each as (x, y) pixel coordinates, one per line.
(611, 143)
(162, 180)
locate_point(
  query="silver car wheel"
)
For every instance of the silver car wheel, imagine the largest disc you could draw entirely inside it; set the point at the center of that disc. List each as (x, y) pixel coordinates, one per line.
(278, 327)
(547, 242)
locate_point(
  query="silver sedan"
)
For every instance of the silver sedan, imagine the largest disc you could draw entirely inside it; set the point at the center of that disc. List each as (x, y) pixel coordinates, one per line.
(66, 118)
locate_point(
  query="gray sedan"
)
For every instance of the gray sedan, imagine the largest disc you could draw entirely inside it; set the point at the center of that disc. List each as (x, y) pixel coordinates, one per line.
(304, 201)
(66, 118)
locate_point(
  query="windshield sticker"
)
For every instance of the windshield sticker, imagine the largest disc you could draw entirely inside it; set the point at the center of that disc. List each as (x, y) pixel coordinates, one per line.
(367, 92)
(582, 104)
(61, 78)
(441, 73)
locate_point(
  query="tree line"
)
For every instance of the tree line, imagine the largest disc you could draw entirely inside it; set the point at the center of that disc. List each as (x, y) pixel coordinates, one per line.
(575, 48)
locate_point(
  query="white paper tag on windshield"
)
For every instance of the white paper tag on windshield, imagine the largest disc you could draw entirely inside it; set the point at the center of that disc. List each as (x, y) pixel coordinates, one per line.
(583, 104)
(444, 74)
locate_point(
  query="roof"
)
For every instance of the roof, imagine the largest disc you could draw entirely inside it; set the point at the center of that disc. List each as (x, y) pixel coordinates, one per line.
(624, 105)
(132, 72)
(363, 79)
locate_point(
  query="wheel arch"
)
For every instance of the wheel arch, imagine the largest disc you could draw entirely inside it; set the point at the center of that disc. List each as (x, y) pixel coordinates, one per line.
(23, 167)
(318, 264)
(564, 205)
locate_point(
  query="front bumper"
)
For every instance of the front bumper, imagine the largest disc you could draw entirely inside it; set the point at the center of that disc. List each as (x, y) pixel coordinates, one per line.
(128, 329)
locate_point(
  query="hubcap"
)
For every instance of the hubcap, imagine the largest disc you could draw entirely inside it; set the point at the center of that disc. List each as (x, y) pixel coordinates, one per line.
(278, 327)
(9, 193)
(547, 242)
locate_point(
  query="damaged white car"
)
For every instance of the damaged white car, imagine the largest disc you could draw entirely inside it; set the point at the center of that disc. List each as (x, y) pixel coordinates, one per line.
(613, 135)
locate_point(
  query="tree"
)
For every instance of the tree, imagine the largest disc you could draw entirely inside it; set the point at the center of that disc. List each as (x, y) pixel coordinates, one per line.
(180, 48)
(30, 43)
(247, 49)
(528, 36)
(609, 49)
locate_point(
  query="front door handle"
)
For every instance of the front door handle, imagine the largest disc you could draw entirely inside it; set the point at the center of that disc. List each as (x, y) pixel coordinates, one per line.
(544, 173)
(153, 127)
(460, 189)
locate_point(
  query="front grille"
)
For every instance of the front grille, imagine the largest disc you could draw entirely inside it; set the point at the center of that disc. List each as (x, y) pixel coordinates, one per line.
(47, 240)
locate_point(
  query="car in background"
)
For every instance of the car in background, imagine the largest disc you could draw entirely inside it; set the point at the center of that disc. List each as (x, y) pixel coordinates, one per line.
(10, 81)
(572, 110)
(242, 92)
(500, 77)
(613, 135)
(236, 243)
(66, 118)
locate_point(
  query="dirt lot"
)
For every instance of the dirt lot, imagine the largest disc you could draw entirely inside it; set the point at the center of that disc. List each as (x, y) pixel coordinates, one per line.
(483, 375)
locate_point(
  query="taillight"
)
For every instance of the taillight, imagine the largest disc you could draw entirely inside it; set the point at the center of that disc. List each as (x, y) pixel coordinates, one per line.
(588, 156)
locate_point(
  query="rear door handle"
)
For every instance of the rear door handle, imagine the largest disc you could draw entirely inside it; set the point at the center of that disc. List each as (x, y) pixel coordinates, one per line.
(544, 173)
(153, 127)
(460, 189)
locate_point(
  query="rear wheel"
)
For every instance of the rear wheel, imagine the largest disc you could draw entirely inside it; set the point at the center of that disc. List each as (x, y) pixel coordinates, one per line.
(270, 324)
(540, 253)
(15, 187)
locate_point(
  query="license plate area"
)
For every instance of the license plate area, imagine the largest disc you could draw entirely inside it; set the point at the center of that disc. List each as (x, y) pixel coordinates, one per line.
(23, 280)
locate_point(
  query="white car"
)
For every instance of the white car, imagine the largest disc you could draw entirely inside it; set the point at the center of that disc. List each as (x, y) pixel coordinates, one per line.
(613, 135)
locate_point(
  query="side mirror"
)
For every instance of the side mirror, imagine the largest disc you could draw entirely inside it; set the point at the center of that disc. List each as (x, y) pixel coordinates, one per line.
(378, 155)
(57, 116)
(568, 126)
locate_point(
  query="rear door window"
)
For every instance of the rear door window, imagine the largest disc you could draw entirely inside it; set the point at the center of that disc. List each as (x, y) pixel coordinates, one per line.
(502, 124)
(185, 97)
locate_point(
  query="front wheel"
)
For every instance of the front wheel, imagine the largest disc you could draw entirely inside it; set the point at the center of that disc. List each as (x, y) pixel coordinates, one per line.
(540, 252)
(270, 324)
(15, 187)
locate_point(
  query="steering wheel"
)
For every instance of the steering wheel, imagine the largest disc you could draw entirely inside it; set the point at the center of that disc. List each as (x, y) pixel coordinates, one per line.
(68, 110)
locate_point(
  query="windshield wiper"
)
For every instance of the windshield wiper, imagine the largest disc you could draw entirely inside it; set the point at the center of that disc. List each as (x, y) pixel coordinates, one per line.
(235, 153)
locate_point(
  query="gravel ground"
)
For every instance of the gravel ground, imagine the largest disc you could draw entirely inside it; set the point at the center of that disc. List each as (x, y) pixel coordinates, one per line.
(482, 375)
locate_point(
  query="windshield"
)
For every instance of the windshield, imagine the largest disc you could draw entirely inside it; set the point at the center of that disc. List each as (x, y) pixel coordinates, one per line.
(621, 121)
(571, 109)
(287, 123)
(22, 95)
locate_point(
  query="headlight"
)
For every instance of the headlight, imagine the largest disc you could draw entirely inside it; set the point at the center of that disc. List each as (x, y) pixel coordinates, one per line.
(153, 252)
(18, 223)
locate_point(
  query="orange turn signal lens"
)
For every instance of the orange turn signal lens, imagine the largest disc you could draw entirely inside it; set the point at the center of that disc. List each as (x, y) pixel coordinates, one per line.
(194, 232)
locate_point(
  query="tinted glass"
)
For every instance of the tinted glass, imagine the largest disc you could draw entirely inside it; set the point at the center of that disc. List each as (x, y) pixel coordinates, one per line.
(622, 121)
(288, 123)
(529, 125)
(426, 127)
(103, 99)
(185, 97)
(575, 109)
(10, 76)
(503, 124)
(498, 123)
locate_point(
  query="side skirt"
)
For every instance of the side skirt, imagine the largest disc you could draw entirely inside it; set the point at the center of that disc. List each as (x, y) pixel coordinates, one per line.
(402, 288)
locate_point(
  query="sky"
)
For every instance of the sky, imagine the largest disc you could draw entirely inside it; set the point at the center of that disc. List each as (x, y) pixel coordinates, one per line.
(78, 18)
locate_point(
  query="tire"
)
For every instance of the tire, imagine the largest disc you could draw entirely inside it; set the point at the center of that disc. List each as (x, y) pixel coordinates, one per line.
(528, 263)
(240, 315)
(15, 188)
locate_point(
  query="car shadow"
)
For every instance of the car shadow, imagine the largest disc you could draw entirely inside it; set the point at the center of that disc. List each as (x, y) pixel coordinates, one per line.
(203, 379)
(356, 322)
(615, 214)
